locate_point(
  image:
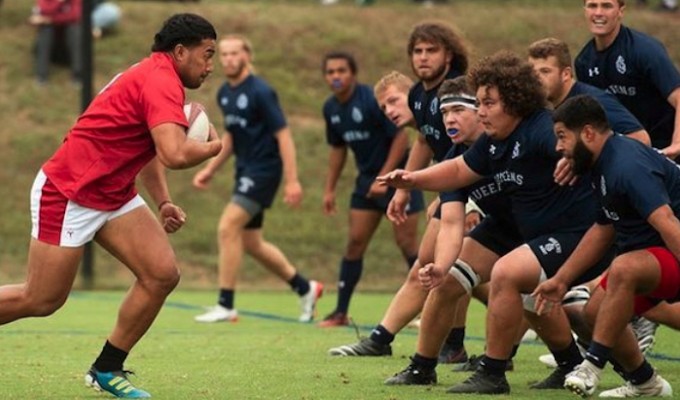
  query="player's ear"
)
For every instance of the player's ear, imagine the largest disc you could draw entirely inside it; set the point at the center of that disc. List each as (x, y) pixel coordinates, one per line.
(587, 133)
(179, 52)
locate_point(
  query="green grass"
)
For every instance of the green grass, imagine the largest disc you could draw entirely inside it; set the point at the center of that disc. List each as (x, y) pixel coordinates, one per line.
(266, 355)
(290, 38)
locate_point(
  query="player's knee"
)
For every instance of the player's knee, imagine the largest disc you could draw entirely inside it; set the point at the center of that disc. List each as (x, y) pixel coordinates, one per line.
(503, 275)
(43, 307)
(226, 232)
(163, 280)
(406, 243)
(622, 275)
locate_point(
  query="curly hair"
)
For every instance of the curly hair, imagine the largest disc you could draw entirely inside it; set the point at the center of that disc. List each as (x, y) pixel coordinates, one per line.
(442, 34)
(185, 29)
(518, 85)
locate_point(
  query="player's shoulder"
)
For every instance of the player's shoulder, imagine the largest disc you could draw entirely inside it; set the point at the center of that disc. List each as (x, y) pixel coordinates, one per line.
(416, 90)
(586, 52)
(330, 104)
(641, 44)
(259, 85)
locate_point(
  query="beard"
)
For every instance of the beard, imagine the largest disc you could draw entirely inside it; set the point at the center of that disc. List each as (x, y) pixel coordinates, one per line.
(582, 159)
(236, 72)
(435, 75)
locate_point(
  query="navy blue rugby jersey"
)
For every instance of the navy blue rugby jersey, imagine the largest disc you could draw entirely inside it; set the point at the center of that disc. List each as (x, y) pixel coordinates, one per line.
(486, 193)
(631, 180)
(252, 115)
(637, 69)
(361, 125)
(424, 105)
(620, 119)
(522, 165)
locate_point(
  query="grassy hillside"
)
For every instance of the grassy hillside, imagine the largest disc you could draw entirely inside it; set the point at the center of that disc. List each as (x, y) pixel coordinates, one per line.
(289, 40)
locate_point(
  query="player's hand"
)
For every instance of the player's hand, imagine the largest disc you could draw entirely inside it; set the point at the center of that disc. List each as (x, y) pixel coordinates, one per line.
(212, 134)
(376, 190)
(399, 178)
(430, 276)
(172, 217)
(472, 219)
(329, 203)
(37, 19)
(672, 151)
(396, 209)
(292, 194)
(202, 179)
(547, 294)
(564, 173)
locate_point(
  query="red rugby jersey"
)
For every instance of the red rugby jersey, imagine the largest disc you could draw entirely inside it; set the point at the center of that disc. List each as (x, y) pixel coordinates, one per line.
(102, 154)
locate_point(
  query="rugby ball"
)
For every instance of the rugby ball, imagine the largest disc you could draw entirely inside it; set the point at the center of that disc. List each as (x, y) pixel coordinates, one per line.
(199, 124)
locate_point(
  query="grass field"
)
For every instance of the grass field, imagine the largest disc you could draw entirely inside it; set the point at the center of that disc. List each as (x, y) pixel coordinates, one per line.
(290, 38)
(266, 355)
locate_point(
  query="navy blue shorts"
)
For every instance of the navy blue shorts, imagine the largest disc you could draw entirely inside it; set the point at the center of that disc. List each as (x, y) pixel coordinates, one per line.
(552, 250)
(496, 236)
(361, 202)
(258, 188)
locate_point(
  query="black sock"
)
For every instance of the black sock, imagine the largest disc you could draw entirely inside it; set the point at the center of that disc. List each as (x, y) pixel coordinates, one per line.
(598, 354)
(641, 374)
(226, 298)
(110, 359)
(381, 335)
(410, 260)
(350, 273)
(568, 358)
(456, 338)
(619, 369)
(299, 284)
(424, 362)
(493, 366)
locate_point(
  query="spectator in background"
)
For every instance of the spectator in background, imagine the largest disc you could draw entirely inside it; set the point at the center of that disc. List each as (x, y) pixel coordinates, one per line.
(105, 17)
(53, 17)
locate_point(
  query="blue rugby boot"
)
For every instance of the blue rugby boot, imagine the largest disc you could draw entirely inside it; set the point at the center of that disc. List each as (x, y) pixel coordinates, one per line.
(115, 382)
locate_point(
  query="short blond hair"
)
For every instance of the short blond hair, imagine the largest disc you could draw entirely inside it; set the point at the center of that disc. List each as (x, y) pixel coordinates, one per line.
(395, 78)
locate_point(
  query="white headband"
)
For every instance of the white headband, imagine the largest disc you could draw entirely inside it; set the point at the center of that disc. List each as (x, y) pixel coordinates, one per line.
(460, 99)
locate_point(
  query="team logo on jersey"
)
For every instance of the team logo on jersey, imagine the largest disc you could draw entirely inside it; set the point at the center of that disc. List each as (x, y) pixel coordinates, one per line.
(434, 106)
(242, 101)
(515, 151)
(621, 65)
(552, 246)
(224, 100)
(593, 71)
(418, 105)
(610, 214)
(335, 119)
(356, 115)
(492, 149)
(244, 184)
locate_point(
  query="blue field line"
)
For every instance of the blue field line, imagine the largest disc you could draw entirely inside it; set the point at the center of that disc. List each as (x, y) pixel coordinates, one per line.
(276, 318)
